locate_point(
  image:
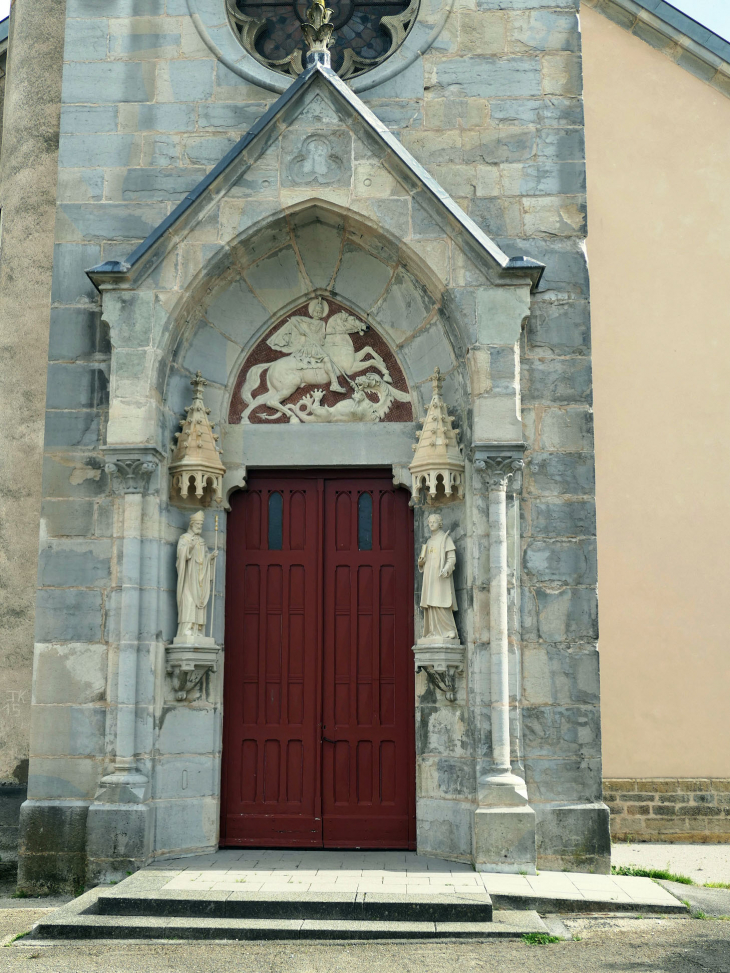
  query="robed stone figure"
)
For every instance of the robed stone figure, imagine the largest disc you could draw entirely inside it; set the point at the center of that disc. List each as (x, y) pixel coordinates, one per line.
(194, 563)
(438, 597)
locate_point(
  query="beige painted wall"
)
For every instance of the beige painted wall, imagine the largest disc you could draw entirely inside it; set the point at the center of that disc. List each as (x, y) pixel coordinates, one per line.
(658, 151)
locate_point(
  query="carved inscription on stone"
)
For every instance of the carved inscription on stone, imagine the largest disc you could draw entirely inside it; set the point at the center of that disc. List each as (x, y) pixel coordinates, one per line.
(322, 363)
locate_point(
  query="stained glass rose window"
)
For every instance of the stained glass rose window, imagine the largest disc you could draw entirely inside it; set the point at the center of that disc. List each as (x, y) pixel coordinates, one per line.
(364, 33)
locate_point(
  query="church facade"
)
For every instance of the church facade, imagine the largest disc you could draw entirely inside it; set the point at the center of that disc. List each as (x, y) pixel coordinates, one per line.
(320, 309)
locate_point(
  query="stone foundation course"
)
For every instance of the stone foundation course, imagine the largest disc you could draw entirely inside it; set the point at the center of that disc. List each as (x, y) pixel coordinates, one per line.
(681, 809)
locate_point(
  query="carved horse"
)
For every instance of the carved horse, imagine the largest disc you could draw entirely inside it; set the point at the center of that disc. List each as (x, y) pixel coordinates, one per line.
(286, 375)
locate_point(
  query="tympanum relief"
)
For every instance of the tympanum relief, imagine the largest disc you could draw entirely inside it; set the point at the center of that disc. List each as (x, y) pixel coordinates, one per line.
(322, 363)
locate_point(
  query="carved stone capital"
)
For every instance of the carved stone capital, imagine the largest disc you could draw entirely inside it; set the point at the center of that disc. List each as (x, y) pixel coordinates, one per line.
(501, 465)
(131, 469)
(442, 662)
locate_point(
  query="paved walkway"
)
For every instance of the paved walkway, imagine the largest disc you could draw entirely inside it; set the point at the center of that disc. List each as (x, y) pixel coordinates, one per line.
(392, 872)
(701, 863)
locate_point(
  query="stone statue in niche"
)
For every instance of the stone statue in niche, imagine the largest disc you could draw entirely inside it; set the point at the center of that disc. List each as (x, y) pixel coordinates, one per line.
(194, 569)
(438, 597)
(318, 351)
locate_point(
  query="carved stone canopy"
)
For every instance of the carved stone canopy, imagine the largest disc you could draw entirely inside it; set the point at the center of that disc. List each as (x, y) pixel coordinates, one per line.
(196, 461)
(438, 463)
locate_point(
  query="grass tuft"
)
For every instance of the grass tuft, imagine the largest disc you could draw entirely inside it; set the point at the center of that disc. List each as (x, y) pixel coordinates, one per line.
(717, 885)
(651, 873)
(21, 935)
(540, 938)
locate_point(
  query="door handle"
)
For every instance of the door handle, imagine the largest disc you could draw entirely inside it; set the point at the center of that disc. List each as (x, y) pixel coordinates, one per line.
(327, 740)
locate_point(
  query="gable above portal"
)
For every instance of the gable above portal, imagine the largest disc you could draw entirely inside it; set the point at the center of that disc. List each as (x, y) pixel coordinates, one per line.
(318, 140)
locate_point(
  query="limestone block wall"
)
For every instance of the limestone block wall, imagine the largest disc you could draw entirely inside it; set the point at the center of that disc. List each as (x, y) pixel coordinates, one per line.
(493, 111)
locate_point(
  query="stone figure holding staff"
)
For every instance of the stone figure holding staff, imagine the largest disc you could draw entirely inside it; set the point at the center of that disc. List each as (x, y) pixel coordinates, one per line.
(194, 565)
(438, 597)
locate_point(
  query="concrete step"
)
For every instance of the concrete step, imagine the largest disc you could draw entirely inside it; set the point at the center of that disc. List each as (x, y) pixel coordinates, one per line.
(369, 906)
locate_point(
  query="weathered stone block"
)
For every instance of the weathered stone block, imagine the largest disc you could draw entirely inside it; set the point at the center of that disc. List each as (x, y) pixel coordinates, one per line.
(566, 780)
(573, 838)
(70, 283)
(426, 350)
(484, 77)
(89, 118)
(90, 82)
(143, 45)
(566, 429)
(567, 615)
(553, 731)
(76, 386)
(500, 145)
(276, 279)
(497, 216)
(562, 74)
(169, 183)
(188, 825)
(504, 839)
(559, 327)
(561, 143)
(544, 30)
(536, 111)
(361, 277)
(108, 221)
(557, 381)
(553, 474)
(405, 305)
(561, 561)
(559, 675)
(79, 151)
(183, 80)
(55, 623)
(444, 828)
(185, 730)
(554, 216)
(445, 777)
(543, 179)
(561, 518)
(74, 563)
(69, 673)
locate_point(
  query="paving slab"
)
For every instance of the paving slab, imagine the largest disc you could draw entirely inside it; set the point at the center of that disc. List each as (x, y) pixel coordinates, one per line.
(713, 902)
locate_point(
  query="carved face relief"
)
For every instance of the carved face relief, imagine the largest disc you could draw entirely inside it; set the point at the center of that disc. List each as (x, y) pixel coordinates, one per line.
(322, 363)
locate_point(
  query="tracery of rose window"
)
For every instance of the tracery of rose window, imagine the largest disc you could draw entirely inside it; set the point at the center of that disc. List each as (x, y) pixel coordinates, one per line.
(365, 34)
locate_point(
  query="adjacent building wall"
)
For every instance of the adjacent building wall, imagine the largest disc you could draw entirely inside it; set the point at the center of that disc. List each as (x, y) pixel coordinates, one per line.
(658, 143)
(28, 200)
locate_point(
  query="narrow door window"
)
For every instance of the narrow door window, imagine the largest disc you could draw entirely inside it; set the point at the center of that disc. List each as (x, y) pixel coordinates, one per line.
(276, 522)
(365, 522)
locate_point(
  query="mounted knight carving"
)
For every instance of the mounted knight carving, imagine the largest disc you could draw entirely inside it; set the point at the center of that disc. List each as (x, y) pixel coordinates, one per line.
(318, 377)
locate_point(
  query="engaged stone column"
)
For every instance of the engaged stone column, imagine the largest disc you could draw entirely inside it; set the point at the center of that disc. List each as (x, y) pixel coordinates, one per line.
(504, 826)
(118, 825)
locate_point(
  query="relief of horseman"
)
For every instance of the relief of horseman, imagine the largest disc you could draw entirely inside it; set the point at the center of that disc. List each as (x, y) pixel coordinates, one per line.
(316, 352)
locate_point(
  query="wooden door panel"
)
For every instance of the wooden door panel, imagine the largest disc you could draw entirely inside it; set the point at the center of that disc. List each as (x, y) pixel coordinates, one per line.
(272, 666)
(367, 710)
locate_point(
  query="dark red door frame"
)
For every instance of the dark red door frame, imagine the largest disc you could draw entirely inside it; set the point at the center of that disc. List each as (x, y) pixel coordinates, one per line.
(249, 823)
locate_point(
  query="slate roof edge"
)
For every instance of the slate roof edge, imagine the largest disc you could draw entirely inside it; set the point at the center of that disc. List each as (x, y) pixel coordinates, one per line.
(687, 42)
(4, 33)
(111, 269)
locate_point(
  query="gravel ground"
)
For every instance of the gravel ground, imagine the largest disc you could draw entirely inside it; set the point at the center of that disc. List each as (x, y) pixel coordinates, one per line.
(609, 945)
(701, 863)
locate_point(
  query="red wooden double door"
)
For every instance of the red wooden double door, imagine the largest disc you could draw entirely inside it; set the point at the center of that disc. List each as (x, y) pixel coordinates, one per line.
(318, 720)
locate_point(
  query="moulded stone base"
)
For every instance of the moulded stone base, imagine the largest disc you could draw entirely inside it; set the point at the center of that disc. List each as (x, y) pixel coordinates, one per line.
(504, 839)
(52, 846)
(118, 840)
(573, 837)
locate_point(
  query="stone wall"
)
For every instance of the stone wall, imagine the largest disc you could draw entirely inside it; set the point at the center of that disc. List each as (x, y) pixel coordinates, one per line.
(493, 110)
(669, 809)
(31, 108)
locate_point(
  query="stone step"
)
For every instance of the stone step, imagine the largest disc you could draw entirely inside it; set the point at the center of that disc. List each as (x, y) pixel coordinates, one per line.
(505, 925)
(369, 906)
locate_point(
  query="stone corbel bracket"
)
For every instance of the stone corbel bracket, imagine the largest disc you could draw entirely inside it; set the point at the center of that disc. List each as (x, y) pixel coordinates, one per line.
(441, 662)
(187, 664)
